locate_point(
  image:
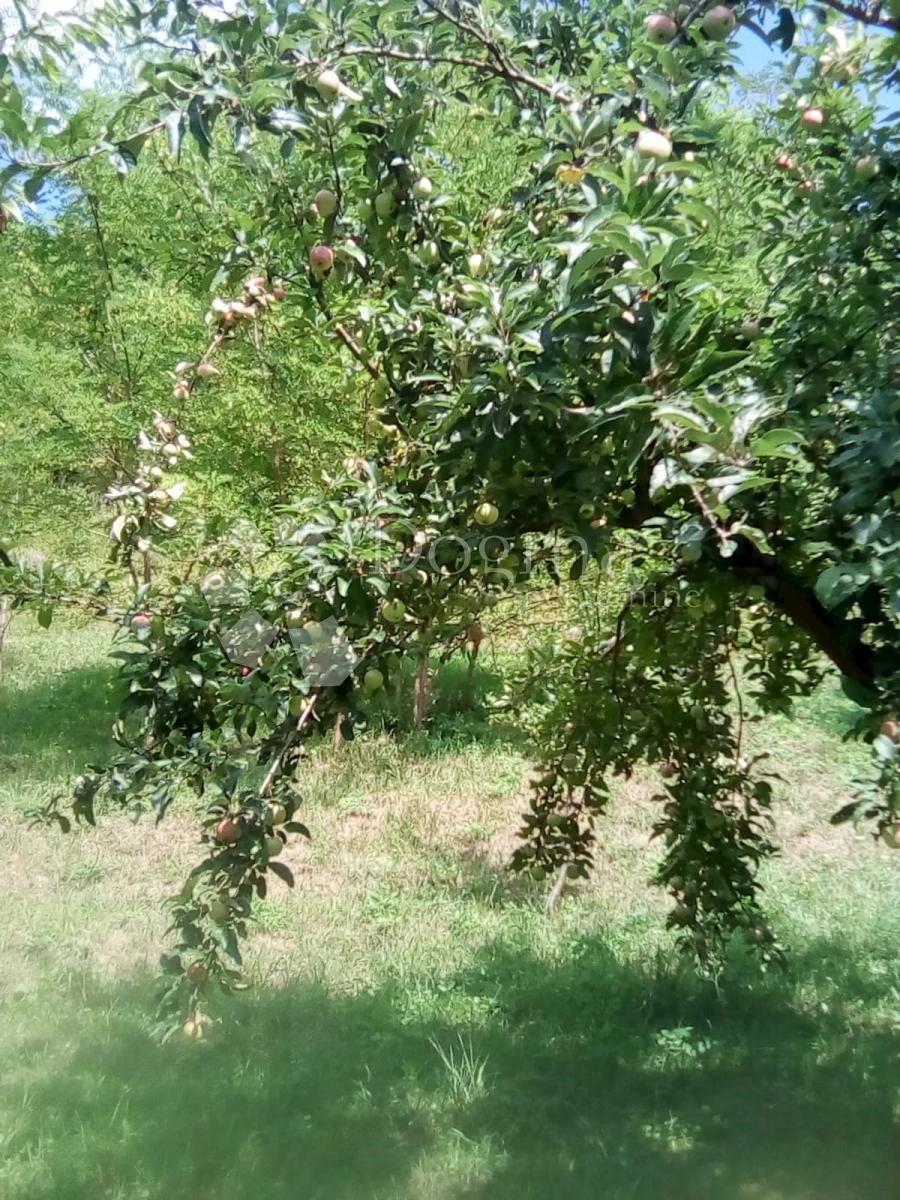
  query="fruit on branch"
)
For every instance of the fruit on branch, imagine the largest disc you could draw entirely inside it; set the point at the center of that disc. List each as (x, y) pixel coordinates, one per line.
(206, 370)
(660, 29)
(652, 144)
(866, 167)
(278, 290)
(193, 1029)
(422, 188)
(219, 911)
(812, 118)
(393, 611)
(487, 513)
(475, 264)
(181, 390)
(276, 814)
(197, 973)
(668, 771)
(321, 260)
(366, 210)
(325, 202)
(430, 253)
(385, 203)
(141, 620)
(890, 835)
(331, 87)
(373, 680)
(273, 845)
(891, 729)
(718, 23)
(229, 830)
(784, 162)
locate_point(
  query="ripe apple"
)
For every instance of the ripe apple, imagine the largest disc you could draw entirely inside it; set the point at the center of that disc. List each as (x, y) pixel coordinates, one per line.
(193, 1029)
(475, 264)
(141, 620)
(660, 29)
(393, 611)
(197, 973)
(276, 814)
(326, 202)
(278, 290)
(487, 513)
(812, 118)
(422, 188)
(181, 391)
(784, 162)
(373, 680)
(206, 370)
(890, 729)
(866, 168)
(385, 204)
(321, 259)
(653, 145)
(274, 845)
(229, 830)
(718, 23)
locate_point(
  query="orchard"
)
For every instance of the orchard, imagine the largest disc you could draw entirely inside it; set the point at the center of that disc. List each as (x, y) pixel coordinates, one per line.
(669, 335)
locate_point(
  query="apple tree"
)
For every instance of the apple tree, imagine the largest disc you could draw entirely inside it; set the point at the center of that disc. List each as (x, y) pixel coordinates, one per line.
(666, 331)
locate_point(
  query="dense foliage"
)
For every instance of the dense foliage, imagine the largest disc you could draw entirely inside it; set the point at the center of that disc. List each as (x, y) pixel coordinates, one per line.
(659, 331)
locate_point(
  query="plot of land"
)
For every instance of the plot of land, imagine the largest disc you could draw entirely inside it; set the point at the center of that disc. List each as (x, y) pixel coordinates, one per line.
(419, 1028)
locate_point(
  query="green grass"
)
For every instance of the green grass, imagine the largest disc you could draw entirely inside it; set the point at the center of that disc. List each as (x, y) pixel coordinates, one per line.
(419, 1028)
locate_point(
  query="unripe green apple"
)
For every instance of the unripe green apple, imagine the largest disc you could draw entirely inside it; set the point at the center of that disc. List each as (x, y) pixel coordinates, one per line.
(430, 253)
(393, 611)
(373, 680)
(219, 911)
(475, 264)
(718, 23)
(366, 210)
(653, 145)
(276, 814)
(326, 202)
(274, 846)
(331, 87)
(422, 188)
(385, 204)
(487, 513)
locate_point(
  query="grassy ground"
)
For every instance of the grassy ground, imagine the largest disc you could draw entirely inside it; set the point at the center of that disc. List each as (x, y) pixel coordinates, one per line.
(419, 1028)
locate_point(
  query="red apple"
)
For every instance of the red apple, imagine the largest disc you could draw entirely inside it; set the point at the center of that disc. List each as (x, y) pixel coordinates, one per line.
(660, 29)
(321, 259)
(812, 118)
(229, 830)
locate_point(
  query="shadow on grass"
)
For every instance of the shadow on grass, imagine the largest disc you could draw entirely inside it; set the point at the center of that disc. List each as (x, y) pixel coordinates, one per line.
(588, 1079)
(69, 714)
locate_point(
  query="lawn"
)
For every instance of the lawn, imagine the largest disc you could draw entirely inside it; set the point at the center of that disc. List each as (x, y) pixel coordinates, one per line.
(419, 1028)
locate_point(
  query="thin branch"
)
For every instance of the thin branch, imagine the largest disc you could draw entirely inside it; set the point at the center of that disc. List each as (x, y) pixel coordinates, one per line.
(278, 761)
(509, 73)
(61, 164)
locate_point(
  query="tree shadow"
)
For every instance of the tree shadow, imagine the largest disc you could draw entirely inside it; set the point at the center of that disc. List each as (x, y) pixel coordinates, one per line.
(588, 1078)
(69, 713)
